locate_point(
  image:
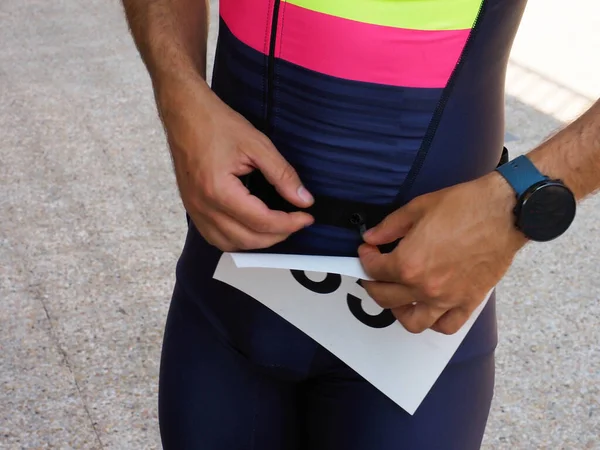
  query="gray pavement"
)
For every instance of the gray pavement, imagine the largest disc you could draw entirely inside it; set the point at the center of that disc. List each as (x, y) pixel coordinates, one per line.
(91, 226)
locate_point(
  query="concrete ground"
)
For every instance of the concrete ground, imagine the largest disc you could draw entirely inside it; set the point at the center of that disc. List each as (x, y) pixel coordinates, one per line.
(91, 226)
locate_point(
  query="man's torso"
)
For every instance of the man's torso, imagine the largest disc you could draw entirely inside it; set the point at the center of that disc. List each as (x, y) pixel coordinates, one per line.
(371, 100)
(376, 101)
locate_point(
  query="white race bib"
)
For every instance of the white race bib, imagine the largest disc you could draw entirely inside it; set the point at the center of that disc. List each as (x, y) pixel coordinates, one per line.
(321, 296)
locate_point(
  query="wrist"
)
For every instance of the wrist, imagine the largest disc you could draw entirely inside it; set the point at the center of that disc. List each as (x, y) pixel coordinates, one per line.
(545, 207)
(171, 87)
(184, 98)
(503, 200)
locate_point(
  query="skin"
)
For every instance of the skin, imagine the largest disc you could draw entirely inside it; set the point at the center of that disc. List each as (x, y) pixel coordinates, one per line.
(457, 242)
(211, 145)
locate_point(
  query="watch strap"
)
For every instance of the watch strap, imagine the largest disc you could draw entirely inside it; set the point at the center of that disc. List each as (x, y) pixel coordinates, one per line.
(521, 174)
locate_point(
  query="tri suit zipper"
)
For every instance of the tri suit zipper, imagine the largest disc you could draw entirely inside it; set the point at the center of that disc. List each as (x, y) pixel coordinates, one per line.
(356, 219)
(359, 222)
(270, 88)
(268, 94)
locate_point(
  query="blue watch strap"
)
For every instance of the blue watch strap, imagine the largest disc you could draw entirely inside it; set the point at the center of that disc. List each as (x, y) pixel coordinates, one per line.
(521, 174)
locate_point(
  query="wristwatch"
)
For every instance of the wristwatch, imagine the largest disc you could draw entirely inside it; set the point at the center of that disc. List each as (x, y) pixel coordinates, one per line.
(545, 207)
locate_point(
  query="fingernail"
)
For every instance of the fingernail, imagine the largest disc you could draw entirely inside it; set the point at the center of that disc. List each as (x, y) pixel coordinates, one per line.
(367, 234)
(305, 195)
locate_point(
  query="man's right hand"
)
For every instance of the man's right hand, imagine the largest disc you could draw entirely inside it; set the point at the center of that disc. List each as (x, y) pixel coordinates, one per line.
(212, 145)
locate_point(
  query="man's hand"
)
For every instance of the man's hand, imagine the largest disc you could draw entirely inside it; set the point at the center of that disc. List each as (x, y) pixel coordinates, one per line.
(456, 245)
(211, 146)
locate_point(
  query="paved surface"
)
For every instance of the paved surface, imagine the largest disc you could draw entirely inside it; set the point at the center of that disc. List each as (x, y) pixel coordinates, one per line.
(91, 226)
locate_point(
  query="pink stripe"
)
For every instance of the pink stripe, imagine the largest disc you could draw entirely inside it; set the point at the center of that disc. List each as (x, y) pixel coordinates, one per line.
(346, 48)
(250, 21)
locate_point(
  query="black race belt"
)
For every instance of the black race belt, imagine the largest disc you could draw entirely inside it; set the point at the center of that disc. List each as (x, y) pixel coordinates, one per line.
(328, 210)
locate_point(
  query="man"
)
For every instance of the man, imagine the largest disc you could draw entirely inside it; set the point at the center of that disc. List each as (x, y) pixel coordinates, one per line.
(377, 122)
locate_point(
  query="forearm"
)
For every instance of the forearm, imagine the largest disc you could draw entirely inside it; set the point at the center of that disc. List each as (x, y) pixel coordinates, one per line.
(573, 154)
(171, 37)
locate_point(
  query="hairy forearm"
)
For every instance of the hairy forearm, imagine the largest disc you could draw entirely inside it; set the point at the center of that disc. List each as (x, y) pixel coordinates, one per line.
(573, 154)
(171, 37)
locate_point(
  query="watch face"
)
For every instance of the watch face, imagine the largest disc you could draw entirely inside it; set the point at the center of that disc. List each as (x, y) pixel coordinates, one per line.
(547, 210)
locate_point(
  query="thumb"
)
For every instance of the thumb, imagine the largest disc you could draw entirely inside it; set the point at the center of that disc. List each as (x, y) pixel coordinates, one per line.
(282, 176)
(393, 227)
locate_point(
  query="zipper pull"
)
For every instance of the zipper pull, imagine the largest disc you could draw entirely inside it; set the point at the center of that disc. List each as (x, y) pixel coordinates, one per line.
(358, 221)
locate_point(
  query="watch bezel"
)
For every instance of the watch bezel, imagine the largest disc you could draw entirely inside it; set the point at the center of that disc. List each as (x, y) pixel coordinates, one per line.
(528, 196)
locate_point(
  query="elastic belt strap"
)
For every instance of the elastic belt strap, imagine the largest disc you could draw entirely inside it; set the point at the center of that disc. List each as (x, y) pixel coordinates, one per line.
(328, 210)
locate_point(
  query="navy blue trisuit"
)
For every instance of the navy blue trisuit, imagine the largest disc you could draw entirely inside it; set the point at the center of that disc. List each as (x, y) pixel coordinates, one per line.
(372, 101)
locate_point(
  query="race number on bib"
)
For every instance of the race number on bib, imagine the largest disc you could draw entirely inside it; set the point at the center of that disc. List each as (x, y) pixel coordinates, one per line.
(322, 296)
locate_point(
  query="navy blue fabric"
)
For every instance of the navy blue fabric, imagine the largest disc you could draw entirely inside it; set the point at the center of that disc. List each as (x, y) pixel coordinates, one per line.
(346, 139)
(465, 139)
(239, 77)
(261, 333)
(342, 115)
(214, 395)
(234, 374)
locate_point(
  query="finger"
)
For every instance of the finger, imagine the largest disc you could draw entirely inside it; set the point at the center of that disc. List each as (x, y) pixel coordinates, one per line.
(379, 266)
(389, 295)
(235, 200)
(394, 226)
(281, 175)
(212, 235)
(417, 318)
(242, 237)
(452, 321)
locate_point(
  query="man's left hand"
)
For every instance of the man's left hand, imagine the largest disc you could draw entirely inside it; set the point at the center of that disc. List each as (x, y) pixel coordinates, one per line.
(457, 243)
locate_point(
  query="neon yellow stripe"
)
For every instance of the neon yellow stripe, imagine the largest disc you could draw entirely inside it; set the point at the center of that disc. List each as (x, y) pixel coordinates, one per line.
(410, 14)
